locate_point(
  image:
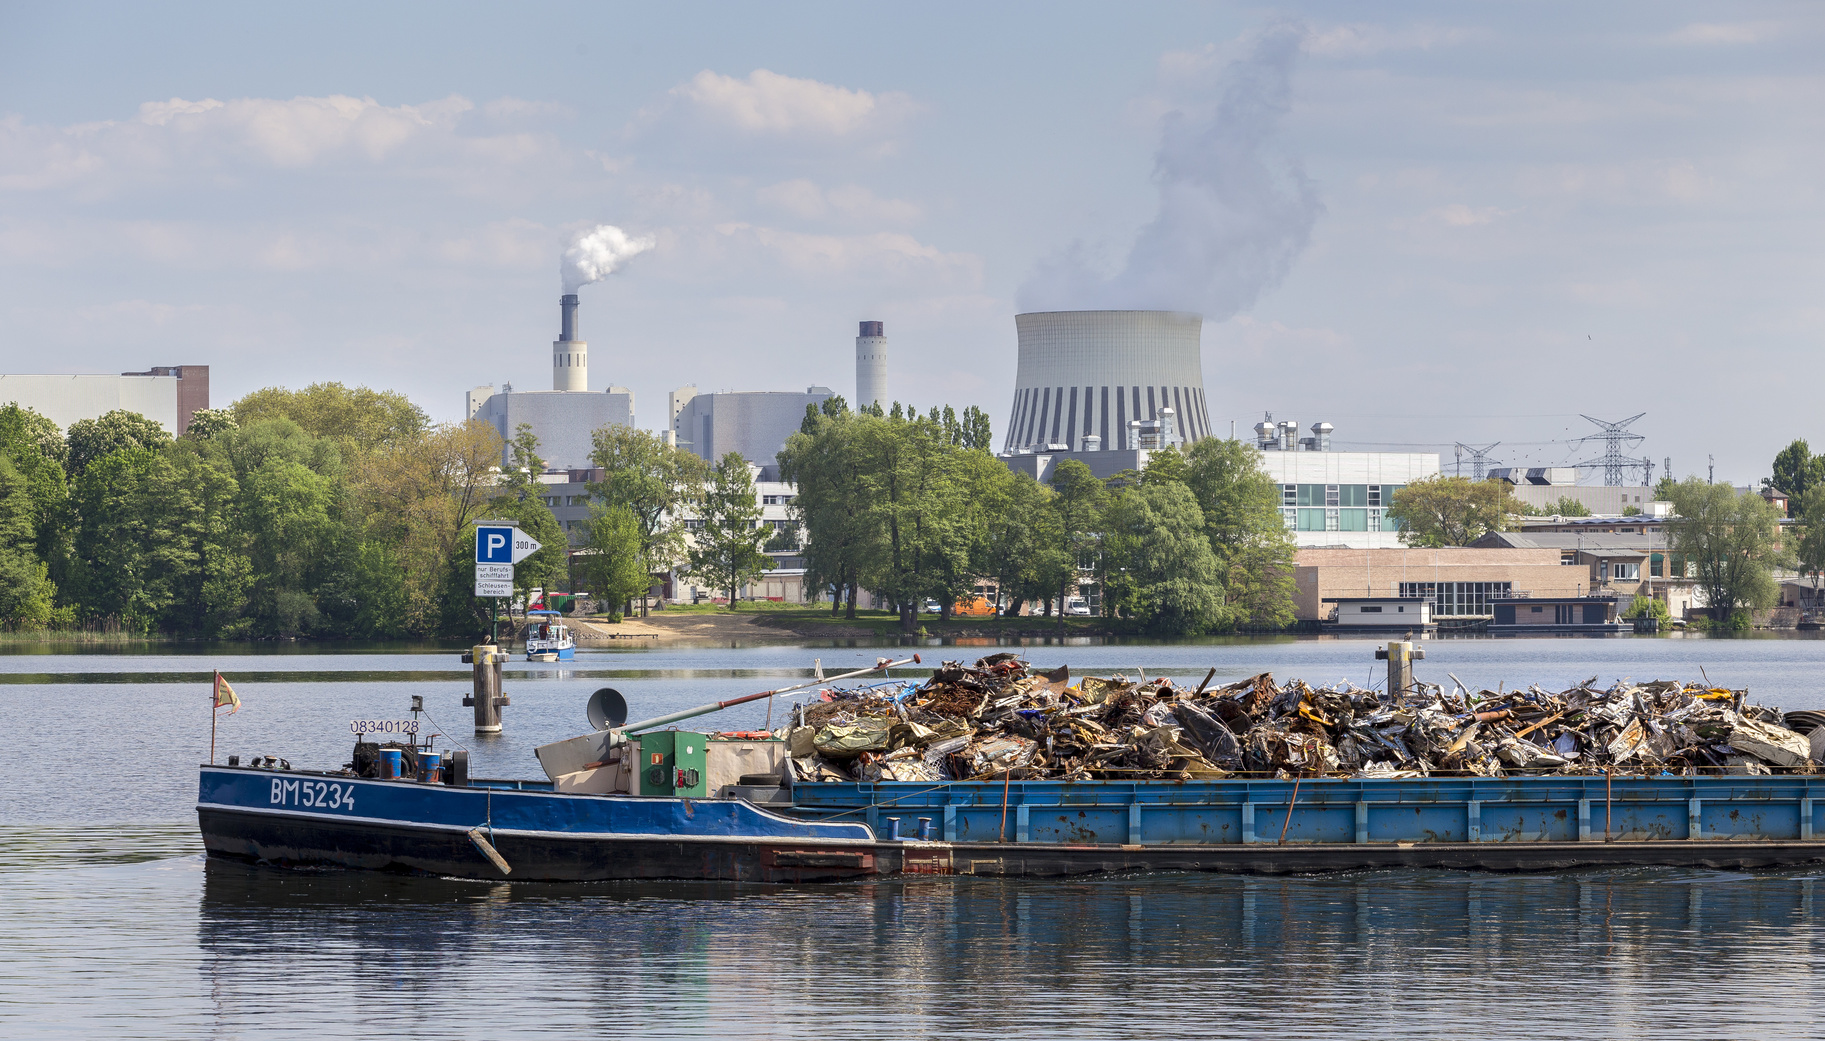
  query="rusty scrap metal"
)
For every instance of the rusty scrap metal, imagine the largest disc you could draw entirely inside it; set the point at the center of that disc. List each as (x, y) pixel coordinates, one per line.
(999, 719)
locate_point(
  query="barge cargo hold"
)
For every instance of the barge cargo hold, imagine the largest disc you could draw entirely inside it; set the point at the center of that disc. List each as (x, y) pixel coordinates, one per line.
(834, 831)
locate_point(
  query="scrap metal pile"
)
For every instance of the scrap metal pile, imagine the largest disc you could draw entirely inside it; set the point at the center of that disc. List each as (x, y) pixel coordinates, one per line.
(1000, 719)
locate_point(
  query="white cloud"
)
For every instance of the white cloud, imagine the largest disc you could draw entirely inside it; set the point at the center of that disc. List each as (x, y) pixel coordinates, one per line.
(211, 138)
(1362, 39)
(1712, 33)
(769, 104)
(877, 256)
(1458, 215)
(803, 198)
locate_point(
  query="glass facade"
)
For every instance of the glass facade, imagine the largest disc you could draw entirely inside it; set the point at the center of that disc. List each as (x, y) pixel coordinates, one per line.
(1337, 507)
(1458, 599)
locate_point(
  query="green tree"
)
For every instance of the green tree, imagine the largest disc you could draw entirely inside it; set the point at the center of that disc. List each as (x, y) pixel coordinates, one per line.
(1165, 574)
(1566, 506)
(91, 439)
(824, 461)
(726, 550)
(37, 448)
(1796, 470)
(1022, 549)
(358, 419)
(1248, 535)
(26, 592)
(131, 559)
(612, 561)
(654, 480)
(1809, 548)
(1451, 511)
(911, 497)
(1731, 541)
(207, 423)
(1077, 501)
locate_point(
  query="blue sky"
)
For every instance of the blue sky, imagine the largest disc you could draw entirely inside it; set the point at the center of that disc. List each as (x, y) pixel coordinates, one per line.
(1496, 217)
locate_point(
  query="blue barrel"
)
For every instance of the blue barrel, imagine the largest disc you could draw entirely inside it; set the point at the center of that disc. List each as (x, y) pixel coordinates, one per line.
(428, 764)
(390, 762)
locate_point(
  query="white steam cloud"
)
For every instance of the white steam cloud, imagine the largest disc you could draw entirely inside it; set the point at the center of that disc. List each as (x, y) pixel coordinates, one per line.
(1234, 210)
(599, 253)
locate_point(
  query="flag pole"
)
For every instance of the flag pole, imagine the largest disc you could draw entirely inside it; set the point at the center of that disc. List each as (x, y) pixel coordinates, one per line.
(215, 685)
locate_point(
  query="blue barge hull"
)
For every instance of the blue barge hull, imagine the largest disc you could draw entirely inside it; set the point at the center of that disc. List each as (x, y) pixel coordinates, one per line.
(831, 831)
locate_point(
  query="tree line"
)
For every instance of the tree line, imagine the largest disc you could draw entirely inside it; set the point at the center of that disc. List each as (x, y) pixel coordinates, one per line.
(914, 507)
(327, 512)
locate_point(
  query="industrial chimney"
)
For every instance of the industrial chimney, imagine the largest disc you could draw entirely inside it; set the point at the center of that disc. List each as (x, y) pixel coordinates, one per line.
(569, 355)
(871, 366)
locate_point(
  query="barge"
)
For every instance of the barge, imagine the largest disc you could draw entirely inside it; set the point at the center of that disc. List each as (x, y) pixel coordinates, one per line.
(642, 801)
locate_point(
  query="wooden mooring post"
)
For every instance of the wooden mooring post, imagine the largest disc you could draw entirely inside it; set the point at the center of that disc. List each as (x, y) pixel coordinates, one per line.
(486, 659)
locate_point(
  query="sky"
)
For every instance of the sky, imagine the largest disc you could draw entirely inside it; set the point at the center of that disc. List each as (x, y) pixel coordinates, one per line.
(1426, 223)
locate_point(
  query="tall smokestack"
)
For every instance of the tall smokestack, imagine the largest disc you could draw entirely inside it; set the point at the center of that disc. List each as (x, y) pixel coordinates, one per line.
(569, 355)
(569, 324)
(871, 366)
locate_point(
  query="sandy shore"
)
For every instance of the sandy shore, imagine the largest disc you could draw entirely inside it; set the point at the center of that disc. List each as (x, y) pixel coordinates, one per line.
(666, 626)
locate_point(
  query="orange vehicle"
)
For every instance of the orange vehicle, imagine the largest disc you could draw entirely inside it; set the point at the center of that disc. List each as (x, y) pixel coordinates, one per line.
(974, 605)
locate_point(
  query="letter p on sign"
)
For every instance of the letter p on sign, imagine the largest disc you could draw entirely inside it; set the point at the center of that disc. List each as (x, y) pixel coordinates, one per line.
(493, 545)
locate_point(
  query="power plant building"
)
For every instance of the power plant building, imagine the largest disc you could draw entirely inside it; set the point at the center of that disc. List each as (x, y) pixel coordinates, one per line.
(168, 395)
(754, 423)
(564, 418)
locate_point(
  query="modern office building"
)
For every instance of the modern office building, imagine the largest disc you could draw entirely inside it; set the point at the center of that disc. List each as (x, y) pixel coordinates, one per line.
(1094, 380)
(564, 418)
(753, 423)
(168, 395)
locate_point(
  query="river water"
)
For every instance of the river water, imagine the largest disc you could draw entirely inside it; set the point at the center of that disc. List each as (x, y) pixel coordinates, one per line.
(112, 924)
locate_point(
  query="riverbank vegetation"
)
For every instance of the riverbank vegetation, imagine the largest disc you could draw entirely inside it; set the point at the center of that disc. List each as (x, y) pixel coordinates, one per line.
(325, 512)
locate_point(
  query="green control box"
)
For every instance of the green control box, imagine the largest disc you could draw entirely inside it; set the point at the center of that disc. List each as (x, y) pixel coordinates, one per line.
(673, 763)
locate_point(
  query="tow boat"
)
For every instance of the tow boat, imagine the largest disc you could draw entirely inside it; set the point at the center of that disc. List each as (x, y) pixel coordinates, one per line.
(648, 801)
(548, 638)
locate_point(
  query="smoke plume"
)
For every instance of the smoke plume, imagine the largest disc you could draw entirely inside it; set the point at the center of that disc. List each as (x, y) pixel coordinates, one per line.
(1234, 210)
(599, 253)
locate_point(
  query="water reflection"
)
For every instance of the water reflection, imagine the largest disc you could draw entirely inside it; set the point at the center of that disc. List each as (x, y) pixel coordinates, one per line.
(1383, 954)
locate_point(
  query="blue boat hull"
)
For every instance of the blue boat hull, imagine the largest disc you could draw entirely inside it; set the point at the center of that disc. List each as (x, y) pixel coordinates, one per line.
(1025, 828)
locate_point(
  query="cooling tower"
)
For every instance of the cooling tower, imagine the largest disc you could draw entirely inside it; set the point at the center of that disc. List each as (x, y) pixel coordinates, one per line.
(1091, 372)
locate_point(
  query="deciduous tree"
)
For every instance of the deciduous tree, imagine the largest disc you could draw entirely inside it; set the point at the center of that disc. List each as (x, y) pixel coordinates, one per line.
(1731, 542)
(726, 550)
(1451, 511)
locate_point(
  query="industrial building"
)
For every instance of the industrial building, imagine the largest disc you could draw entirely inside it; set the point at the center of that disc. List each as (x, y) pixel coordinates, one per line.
(1459, 584)
(755, 424)
(565, 417)
(1331, 498)
(168, 395)
(1541, 488)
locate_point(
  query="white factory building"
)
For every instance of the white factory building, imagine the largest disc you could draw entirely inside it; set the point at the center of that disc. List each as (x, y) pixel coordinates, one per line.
(168, 395)
(755, 424)
(564, 418)
(1336, 498)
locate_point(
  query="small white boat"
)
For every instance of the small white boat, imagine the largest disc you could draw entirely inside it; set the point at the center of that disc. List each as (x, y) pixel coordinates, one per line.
(548, 638)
